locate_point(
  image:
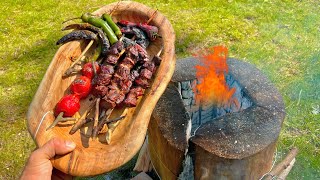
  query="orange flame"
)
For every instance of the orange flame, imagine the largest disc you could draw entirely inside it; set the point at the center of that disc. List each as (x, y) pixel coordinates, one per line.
(212, 88)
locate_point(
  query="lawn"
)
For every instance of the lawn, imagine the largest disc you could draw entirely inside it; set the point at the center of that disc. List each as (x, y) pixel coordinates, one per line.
(281, 38)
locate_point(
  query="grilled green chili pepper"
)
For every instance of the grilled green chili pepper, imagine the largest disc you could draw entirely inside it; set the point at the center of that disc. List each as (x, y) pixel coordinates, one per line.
(113, 25)
(105, 45)
(77, 35)
(100, 24)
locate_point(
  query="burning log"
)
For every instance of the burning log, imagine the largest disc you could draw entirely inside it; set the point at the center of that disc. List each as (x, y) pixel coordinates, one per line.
(235, 141)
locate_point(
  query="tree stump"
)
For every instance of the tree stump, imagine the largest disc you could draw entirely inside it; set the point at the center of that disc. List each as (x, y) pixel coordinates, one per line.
(233, 143)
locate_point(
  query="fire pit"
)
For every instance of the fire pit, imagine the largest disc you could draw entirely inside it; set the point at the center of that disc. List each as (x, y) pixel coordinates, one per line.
(204, 141)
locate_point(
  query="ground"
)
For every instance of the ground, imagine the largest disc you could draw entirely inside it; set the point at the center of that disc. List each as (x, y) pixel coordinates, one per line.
(281, 38)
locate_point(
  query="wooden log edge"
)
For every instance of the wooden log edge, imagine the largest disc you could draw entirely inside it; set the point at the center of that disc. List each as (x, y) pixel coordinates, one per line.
(283, 165)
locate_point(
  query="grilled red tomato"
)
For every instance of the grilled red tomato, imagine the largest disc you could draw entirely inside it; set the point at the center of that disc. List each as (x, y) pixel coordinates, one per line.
(81, 86)
(69, 105)
(87, 69)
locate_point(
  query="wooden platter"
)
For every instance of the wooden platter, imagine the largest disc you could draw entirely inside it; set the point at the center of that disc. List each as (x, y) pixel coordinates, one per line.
(97, 157)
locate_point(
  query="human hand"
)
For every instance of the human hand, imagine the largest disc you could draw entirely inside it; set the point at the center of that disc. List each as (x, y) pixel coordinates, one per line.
(39, 165)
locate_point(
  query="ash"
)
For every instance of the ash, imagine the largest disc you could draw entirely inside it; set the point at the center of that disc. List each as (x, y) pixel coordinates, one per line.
(201, 113)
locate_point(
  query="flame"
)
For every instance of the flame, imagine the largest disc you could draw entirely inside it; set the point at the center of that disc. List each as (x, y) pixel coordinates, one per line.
(212, 88)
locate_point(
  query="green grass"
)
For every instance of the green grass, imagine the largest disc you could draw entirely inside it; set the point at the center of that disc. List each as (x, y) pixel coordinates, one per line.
(282, 38)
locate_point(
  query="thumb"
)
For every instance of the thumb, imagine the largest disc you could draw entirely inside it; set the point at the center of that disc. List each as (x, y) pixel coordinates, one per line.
(55, 146)
(39, 165)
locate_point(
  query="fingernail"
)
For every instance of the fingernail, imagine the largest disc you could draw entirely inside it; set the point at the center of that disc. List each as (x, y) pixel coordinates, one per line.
(70, 144)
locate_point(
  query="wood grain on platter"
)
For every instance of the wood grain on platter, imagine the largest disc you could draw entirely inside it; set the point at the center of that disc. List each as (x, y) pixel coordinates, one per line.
(96, 157)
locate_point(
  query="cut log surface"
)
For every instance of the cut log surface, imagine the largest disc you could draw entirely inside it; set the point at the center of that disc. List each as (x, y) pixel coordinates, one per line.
(97, 157)
(241, 141)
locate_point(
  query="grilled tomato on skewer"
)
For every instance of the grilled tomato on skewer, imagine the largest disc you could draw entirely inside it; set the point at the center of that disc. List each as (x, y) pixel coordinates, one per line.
(81, 87)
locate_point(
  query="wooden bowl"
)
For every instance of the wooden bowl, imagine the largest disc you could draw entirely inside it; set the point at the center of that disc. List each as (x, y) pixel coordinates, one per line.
(97, 157)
